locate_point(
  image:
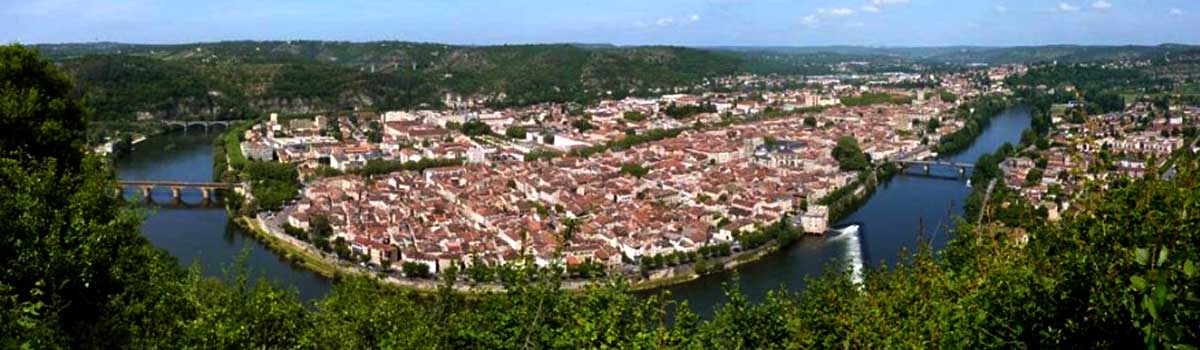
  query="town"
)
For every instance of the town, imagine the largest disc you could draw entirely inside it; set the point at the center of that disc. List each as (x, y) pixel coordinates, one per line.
(638, 181)
(1125, 144)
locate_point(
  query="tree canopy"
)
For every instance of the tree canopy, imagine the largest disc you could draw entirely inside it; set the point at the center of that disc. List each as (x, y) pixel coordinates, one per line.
(849, 155)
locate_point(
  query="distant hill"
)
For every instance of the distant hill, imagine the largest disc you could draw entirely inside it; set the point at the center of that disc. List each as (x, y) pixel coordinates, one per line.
(991, 55)
(305, 76)
(237, 78)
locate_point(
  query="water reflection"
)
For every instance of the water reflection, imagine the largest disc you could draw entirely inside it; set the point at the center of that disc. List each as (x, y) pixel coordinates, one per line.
(196, 232)
(892, 221)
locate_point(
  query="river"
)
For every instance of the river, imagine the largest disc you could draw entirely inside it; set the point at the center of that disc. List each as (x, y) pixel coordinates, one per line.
(202, 234)
(888, 222)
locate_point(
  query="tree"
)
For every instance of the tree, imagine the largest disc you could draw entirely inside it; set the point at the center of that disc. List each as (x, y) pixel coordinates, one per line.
(570, 226)
(849, 156)
(272, 183)
(810, 121)
(72, 256)
(933, 125)
(374, 132)
(548, 139)
(479, 271)
(475, 127)
(1033, 177)
(40, 118)
(634, 116)
(634, 169)
(947, 96)
(416, 270)
(320, 231)
(582, 125)
(333, 129)
(515, 132)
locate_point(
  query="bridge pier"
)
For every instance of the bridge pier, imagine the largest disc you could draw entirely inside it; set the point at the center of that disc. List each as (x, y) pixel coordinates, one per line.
(962, 172)
(207, 189)
(927, 168)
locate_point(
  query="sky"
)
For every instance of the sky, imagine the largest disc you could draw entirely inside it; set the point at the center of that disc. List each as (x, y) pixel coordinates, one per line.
(621, 22)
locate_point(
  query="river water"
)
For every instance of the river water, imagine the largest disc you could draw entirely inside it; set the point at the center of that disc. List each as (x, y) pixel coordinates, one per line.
(889, 222)
(196, 233)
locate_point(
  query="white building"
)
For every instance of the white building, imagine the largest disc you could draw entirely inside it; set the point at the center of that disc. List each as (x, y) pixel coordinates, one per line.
(816, 219)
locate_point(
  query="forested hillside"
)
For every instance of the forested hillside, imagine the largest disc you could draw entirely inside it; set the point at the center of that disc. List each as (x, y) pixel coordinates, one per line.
(232, 79)
(996, 55)
(1120, 273)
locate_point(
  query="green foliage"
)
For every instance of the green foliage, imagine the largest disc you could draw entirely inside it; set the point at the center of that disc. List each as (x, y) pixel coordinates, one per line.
(582, 125)
(810, 121)
(933, 125)
(38, 117)
(320, 232)
(947, 96)
(976, 114)
(871, 98)
(272, 183)
(849, 155)
(781, 231)
(634, 116)
(374, 132)
(416, 270)
(1033, 177)
(333, 129)
(1082, 77)
(627, 142)
(475, 127)
(635, 170)
(687, 111)
(119, 86)
(542, 154)
(515, 132)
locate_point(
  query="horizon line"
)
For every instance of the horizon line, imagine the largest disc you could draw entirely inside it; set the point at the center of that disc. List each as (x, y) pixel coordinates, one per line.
(551, 43)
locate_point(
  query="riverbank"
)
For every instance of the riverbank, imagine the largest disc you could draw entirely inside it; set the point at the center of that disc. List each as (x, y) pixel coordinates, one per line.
(690, 267)
(688, 272)
(303, 255)
(292, 252)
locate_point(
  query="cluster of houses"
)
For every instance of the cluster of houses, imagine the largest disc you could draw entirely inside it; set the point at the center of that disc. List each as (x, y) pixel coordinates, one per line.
(706, 186)
(1100, 148)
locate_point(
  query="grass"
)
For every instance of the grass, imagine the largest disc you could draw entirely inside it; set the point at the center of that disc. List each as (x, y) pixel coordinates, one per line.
(304, 258)
(663, 282)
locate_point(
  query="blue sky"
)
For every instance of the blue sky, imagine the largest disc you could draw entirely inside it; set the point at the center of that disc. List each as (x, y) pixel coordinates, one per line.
(625, 22)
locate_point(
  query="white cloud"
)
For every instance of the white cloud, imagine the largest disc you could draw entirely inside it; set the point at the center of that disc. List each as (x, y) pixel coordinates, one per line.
(670, 21)
(842, 11)
(1001, 9)
(870, 8)
(1176, 12)
(1102, 5)
(1065, 7)
(811, 21)
(889, 2)
(855, 25)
